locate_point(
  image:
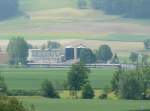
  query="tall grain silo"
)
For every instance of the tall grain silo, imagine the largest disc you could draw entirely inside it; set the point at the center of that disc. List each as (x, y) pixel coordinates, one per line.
(79, 48)
(69, 53)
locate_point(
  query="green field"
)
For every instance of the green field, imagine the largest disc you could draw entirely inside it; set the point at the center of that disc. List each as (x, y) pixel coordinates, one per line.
(82, 36)
(43, 104)
(31, 79)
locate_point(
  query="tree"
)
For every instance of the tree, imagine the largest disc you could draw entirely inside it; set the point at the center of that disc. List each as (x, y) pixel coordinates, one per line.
(145, 59)
(82, 4)
(87, 56)
(115, 59)
(87, 91)
(134, 57)
(77, 77)
(128, 84)
(147, 44)
(53, 45)
(146, 79)
(17, 51)
(49, 90)
(3, 86)
(104, 53)
(131, 85)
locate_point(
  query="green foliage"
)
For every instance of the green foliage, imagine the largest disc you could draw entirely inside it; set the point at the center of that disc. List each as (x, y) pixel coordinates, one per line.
(11, 104)
(77, 76)
(104, 53)
(87, 56)
(53, 45)
(18, 51)
(3, 86)
(134, 57)
(147, 44)
(87, 91)
(132, 84)
(115, 59)
(103, 96)
(145, 59)
(115, 81)
(49, 90)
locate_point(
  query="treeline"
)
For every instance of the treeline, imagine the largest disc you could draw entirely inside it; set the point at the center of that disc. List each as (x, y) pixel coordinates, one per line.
(127, 8)
(8, 8)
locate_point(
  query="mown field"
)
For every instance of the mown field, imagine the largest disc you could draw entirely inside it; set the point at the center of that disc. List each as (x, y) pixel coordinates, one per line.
(31, 79)
(44, 104)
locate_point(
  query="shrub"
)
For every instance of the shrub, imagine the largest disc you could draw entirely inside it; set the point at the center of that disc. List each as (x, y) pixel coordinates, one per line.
(11, 104)
(103, 96)
(87, 92)
(48, 90)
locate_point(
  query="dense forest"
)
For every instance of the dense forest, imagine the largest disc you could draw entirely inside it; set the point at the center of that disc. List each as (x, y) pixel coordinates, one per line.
(127, 8)
(8, 8)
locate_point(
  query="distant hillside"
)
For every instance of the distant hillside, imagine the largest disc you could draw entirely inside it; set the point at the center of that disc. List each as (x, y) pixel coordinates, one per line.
(32, 5)
(8, 8)
(127, 8)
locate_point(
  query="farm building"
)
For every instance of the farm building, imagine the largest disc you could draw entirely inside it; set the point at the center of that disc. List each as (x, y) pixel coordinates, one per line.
(42, 56)
(68, 55)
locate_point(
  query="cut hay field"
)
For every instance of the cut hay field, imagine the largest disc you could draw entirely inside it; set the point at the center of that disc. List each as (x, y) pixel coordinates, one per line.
(31, 79)
(43, 104)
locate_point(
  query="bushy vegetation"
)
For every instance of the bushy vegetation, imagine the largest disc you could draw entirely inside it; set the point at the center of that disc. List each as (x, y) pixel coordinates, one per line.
(132, 84)
(127, 8)
(3, 86)
(77, 77)
(87, 56)
(49, 90)
(104, 53)
(11, 104)
(87, 91)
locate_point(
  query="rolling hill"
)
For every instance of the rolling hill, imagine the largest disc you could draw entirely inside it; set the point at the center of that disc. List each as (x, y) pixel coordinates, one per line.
(49, 19)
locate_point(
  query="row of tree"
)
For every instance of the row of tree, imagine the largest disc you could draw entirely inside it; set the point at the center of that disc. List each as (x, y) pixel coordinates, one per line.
(8, 8)
(127, 8)
(102, 55)
(126, 84)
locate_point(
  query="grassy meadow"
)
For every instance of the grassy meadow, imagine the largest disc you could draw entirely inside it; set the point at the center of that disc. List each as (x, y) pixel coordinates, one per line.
(44, 104)
(31, 79)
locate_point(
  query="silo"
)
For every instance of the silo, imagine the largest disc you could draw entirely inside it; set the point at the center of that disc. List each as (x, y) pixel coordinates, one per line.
(69, 53)
(79, 48)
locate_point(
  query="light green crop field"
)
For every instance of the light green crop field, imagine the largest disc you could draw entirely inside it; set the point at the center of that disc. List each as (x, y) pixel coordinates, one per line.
(82, 36)
(43, 104)
(31, 79)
